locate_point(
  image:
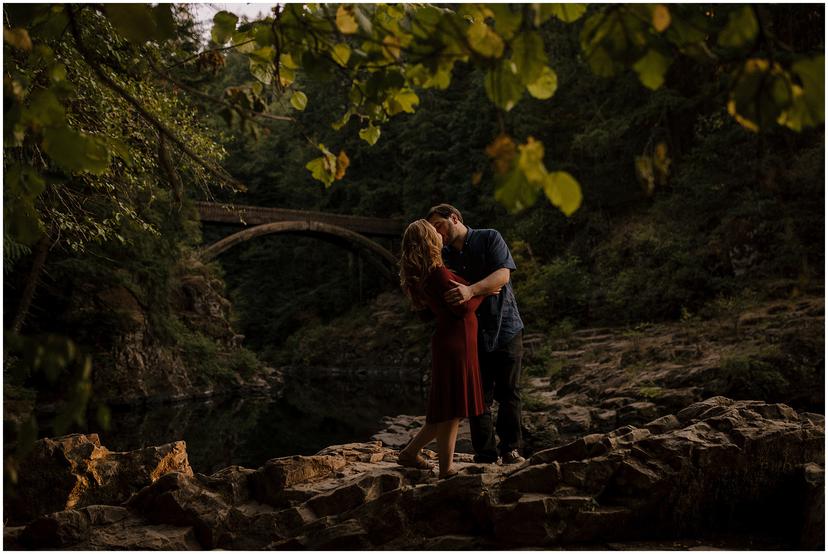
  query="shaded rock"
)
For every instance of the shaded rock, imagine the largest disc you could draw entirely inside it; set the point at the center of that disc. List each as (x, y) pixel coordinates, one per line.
(75, 471)
(56, 530)
(720, 468)
(633, 376)
(813, 507)
(269, 482)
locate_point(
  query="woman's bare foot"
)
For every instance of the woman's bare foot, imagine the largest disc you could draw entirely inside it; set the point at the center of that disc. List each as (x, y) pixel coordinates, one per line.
(449, 474)
(416, 461)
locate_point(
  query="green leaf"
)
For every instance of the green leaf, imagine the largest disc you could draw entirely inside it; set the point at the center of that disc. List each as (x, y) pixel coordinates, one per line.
(57, 72)
(287, 60)
(164, 21)
(370, 134)
(346, 19)
(808, 108)
(565, 12)
(22, 186)
(263, 71)
(503, 86)
(613, 39)
(22, 222)
(135, 22)
(76, 152)
(530, 161)
(422, 76)
(651, 69)
(507, 20)
(23, 182)
(286, 76)
(240, 41)
(563, 191)
(265, 54)
(341, 53)
(44, 110)
(342, 121)
(741, 29)
(545, 86)
(224, 24)
(317, 167)
(425, 20)
(484, 40)
(121, 149)
(688, 30)
(529, 55)
(403, 100)
(298, 100)
(328, 168)
(760, 94)
(263, 35)
(515, 192)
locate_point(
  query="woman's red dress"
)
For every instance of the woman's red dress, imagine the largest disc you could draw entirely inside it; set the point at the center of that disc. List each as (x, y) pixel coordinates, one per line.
(455, 372)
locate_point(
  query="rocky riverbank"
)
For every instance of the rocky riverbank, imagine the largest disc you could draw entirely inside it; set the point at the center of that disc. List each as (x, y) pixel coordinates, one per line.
(596, 380)
(713, 473)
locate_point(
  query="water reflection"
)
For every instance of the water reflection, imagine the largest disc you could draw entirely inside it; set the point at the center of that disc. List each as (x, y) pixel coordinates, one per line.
(315, 409)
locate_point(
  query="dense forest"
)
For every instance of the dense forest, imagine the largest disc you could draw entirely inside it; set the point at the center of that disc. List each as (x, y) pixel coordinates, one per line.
(687, 146)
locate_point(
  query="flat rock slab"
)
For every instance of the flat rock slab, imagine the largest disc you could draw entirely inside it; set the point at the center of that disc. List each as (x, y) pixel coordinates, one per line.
(718, 468)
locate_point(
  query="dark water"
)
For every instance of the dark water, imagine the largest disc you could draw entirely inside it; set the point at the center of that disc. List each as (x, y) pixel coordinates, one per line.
(316, 409)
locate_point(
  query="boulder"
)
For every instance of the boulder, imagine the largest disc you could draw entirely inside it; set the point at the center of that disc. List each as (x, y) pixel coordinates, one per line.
(74, 471)
(720, 468)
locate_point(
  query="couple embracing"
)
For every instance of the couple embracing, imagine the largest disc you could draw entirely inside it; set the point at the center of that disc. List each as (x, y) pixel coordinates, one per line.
(462, 278)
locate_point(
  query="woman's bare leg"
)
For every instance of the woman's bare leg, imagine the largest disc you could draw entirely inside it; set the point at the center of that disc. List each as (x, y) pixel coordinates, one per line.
(446, 440)
(425, 435)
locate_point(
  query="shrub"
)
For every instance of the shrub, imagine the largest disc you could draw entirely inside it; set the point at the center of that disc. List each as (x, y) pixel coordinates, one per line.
(752, 379)
(552, 292)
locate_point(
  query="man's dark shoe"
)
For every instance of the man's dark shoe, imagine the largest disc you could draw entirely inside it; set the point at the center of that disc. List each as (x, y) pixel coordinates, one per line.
(478, 459)
(512, 457)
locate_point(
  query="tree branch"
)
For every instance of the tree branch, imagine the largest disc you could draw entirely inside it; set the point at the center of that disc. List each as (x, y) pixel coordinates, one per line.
(222, 49)
(203, 96)
(147, 116)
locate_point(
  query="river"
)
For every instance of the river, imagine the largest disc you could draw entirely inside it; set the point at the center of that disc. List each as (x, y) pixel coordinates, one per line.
(316, 408)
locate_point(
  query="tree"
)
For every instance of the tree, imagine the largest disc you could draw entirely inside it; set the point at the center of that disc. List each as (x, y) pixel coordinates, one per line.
(385, 54)
(99, 99)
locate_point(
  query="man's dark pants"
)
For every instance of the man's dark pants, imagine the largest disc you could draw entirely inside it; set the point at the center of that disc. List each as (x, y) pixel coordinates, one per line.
(500, 377)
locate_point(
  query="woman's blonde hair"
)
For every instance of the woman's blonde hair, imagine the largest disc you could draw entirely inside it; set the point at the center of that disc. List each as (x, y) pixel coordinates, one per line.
(421, 246)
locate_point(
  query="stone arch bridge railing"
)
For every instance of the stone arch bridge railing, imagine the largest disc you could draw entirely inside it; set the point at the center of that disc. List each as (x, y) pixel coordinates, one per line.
(350, 232)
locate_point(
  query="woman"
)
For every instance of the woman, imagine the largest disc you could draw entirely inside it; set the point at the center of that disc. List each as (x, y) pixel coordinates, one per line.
(455, 377)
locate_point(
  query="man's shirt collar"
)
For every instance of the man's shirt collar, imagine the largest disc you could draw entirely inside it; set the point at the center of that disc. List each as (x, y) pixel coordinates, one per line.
(469, 232)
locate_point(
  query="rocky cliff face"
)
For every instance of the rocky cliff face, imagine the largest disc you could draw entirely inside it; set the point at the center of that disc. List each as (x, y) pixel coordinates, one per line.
(139, 362)
(744, 470)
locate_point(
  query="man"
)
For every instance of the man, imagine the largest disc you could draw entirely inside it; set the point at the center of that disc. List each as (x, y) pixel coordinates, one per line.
(482, 258)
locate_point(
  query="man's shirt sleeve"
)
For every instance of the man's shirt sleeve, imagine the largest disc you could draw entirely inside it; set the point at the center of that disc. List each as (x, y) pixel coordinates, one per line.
(498, 255)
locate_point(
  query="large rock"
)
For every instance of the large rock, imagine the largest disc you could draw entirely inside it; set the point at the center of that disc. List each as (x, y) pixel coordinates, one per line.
(717, 468)
(74, 471)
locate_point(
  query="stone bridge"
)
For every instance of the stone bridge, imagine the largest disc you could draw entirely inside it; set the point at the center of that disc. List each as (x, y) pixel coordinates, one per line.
(347, 231)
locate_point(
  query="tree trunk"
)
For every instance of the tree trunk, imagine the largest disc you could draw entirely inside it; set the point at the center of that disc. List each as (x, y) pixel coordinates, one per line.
(40, 253)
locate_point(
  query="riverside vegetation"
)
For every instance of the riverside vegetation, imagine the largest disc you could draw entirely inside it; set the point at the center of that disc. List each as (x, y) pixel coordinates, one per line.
(684, 226)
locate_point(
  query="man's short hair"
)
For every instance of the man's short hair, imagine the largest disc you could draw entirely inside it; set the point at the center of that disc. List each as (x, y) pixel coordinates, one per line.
(445, 211)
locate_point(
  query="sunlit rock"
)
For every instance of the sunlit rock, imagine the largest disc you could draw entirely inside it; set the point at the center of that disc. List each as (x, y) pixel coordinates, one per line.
(74, 471)
(720, 468)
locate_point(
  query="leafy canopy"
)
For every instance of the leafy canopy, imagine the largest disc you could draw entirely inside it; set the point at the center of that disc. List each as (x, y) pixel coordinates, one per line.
(387, 55)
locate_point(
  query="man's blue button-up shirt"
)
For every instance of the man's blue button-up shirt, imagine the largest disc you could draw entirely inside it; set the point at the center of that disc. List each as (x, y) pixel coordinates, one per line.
(484, 251)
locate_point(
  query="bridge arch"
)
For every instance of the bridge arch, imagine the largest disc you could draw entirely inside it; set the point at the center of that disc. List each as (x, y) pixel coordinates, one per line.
(383, 260)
